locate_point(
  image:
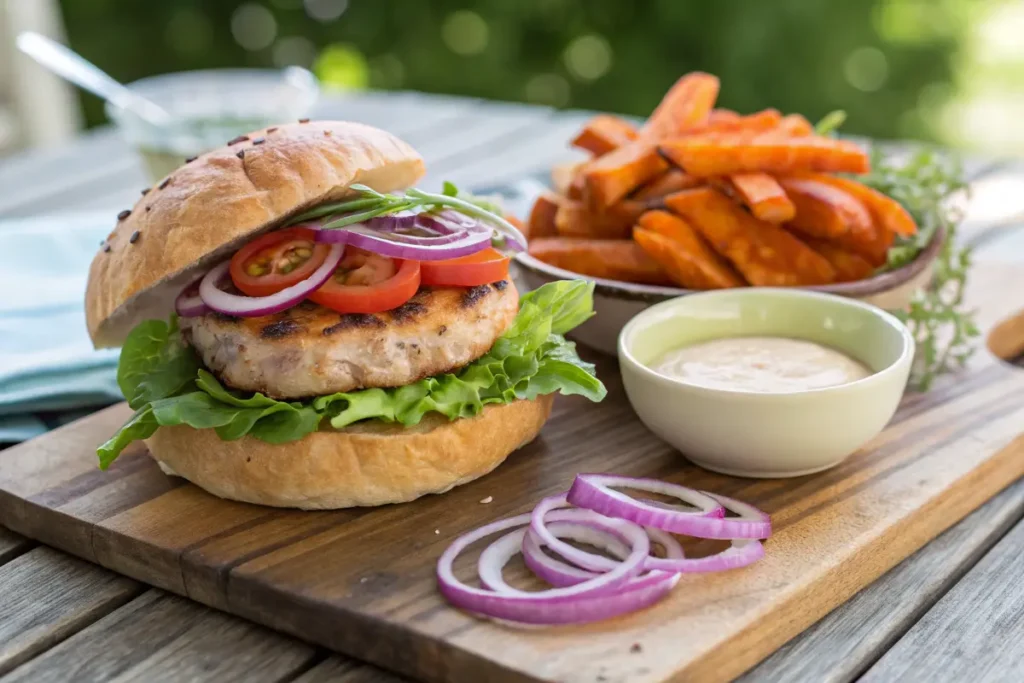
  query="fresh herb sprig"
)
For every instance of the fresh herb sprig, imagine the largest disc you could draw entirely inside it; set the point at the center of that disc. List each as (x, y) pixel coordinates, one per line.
(923, 183)
(941, 325)
(371, 204)
(830, 122)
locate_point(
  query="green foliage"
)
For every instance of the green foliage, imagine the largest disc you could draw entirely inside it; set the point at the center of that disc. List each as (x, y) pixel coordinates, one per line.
(943, 330)
(600, 54)
(530, 359)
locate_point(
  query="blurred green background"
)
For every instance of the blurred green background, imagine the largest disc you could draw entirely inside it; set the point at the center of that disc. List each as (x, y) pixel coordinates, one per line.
(947, 70)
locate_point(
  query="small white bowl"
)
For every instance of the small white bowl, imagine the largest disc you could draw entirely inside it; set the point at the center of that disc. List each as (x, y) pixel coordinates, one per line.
(752, 434)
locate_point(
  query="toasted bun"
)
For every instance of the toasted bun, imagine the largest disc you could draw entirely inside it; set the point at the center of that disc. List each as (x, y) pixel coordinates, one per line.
(207, 208)
(366, 464)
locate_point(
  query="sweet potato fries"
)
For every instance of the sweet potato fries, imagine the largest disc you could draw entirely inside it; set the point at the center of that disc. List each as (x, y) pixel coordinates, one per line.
(706, 198)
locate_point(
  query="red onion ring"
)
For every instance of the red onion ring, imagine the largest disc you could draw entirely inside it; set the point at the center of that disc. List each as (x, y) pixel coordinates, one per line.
(256, 306)
(580, 603)
(555, 571)
(594, 492)
(189, 304)
(599, 587)
(742, 552)
(704, 504)
(359, 235)
(580, 525)
(650, 588)
(558, 573)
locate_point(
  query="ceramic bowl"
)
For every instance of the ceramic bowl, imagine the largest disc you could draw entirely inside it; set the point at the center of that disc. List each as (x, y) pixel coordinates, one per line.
(766, 434)
(617, 302)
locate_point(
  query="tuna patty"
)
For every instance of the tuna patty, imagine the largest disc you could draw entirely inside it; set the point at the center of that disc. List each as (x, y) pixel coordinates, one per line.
(310, 350)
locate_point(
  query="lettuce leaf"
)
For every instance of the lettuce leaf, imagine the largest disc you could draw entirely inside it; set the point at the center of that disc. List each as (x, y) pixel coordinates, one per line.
(162, 379)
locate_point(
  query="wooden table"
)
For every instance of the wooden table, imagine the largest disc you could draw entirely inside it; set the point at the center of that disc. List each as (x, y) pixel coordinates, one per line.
(953, 611)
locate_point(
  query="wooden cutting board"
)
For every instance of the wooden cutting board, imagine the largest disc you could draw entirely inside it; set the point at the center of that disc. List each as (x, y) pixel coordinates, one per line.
(362, 581)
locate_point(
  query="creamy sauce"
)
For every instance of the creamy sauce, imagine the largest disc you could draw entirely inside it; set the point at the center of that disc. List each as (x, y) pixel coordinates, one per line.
(774, 365)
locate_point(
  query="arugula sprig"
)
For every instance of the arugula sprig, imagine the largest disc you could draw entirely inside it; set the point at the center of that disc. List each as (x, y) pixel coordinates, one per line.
(371, 204)
(943, 329)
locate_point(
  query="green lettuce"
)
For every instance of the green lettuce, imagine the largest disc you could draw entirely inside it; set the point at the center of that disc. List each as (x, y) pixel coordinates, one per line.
(165, 384)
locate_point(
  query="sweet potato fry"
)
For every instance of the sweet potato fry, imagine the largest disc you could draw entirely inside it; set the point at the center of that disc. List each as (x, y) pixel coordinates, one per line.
(849, 266)
(686, 105)
(714, 155)
(563, 175)
(873, 245)
(603, 133)
(668, 182)
(822, 210)
(763, 195)
(888, 213)
(682, 252)
(541, 222)
(758, 122)
(764, 253)
(622, 260)
(616, 174)
(720, 116)
(578, 186)
(795, 126)
(576, 219)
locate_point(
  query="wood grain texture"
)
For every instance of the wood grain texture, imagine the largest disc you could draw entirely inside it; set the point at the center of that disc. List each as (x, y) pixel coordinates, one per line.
(338, 670)
(844, 644)
(974, 633)
(47, 596)
(12, 545)
(162, 637)
(361, 581)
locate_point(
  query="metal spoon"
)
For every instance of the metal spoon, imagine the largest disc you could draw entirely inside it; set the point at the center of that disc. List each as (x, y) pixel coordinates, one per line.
(70, 65)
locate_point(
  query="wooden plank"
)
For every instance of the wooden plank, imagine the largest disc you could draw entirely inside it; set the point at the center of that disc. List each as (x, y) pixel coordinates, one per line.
(974, 633)
(362, 581)
(852, 637)
(338, 670)
(162, 637)
(47, 596)
(12, 545)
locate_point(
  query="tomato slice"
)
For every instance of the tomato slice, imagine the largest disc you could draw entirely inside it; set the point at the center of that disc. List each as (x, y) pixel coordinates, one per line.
(365, 282)
(481, 268)
(277, 261)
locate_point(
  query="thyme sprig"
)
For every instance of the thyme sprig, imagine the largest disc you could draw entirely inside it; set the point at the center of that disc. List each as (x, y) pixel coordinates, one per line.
(937, 317)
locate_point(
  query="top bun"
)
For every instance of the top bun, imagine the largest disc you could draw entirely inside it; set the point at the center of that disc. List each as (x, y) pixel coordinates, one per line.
(208, 208)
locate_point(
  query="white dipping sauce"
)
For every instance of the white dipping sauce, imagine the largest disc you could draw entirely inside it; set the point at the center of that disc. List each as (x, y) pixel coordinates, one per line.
(772, 365)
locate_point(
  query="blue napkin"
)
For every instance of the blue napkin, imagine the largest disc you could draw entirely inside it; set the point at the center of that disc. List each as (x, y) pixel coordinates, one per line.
(47, 363)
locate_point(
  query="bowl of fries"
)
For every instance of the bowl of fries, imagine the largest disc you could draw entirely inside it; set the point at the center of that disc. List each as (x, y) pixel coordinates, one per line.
(699, 198)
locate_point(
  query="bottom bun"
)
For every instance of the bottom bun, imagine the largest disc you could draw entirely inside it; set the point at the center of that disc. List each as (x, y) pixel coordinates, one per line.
(365, 464)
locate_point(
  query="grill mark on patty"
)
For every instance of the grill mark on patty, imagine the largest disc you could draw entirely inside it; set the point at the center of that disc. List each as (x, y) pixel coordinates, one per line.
(280, 329)
(408, 311)
(350, 321)
(226, 318)
(473, 295)
(500, 285)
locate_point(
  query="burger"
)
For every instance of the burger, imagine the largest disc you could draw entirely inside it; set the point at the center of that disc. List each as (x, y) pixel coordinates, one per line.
(300, 327)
